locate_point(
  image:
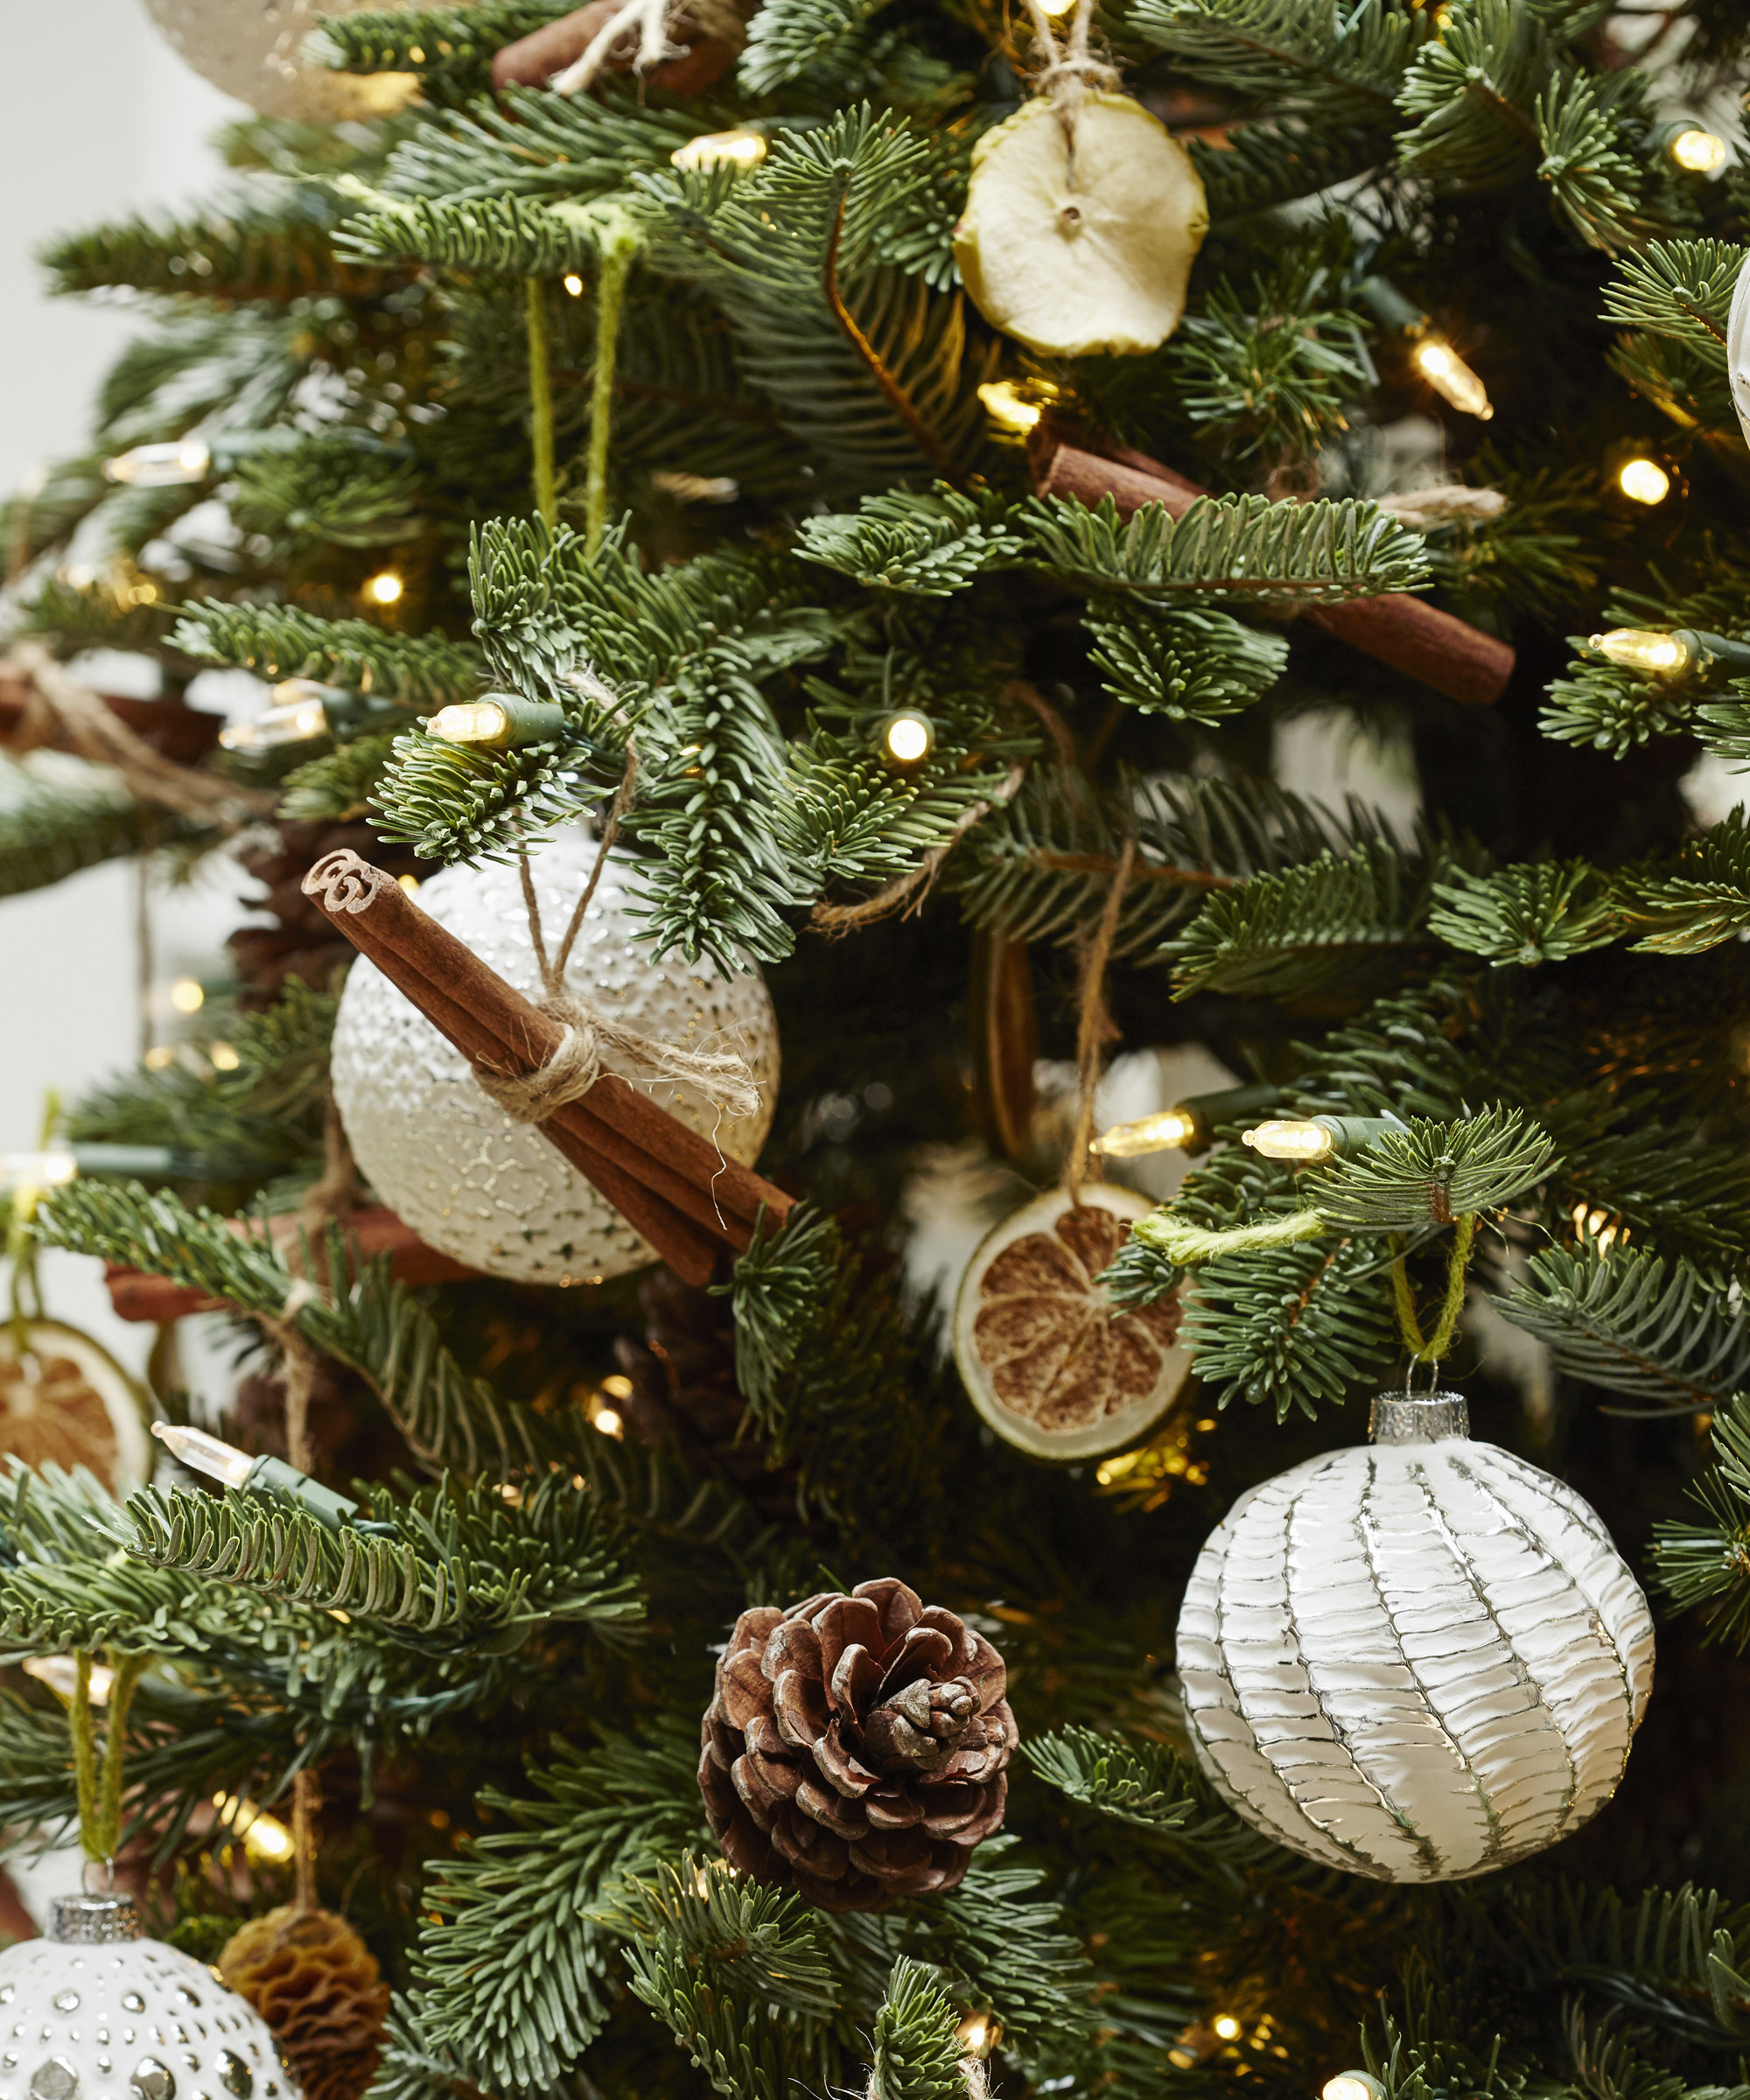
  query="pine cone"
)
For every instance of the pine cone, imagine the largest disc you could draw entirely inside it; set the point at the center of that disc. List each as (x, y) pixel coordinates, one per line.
(316, 1984)
(856, 1747)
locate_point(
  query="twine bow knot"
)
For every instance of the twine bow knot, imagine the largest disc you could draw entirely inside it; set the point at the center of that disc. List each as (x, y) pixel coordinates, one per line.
(591, 1038)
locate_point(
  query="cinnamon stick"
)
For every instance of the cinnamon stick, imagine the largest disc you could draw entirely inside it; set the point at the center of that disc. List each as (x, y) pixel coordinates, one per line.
(137, 1296)
(535, 60)
(670, 1184)
(1411, 636)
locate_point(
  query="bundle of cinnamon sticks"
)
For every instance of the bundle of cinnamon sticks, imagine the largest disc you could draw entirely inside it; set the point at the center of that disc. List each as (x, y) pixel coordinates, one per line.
(1456, 659)
(669, 1183)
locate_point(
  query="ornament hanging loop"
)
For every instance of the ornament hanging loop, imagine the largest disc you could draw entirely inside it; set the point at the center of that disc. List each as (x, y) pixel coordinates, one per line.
(97, 1877)
(1070, 68)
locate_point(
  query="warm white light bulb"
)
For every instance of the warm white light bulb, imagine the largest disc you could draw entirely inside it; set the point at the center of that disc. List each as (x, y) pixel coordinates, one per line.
(186, 995)
(1351, 2085)
(573, 284)
(1637, 649)
(61, 1674)
(1005, 406)
(292, 722)
(1299, 1143)
(907, 738)
(1226, 2026)
(608, 1422)
(264, 1837)
(1452, 378)
(223, 1057)
(743, 149)
(203, 1453)
(470, 722)
(36, 1170)
(977, 2035)
(160, 465)
(1644, 481)
(384, 588)
(1161, 1133)
(1700, 152)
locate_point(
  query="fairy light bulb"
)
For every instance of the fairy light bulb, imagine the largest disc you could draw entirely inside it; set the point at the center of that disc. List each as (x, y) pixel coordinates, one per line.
(1165, 1132)
(295, 715)
(908, 737)
(1301, 1144)
(263, 1837)
(1351, 2085)
(38, 1169)
(1698, 152)
(1636, 649)
(186, 995)
(573, 284)
(61, 1674)
(1452, 378)
(470, 722)
(1005, 407)
(385, 588)
(978, 2034)
(1227, 2027)
(1644, 481)
(160, 465)
(203, 1453)
(740, 150)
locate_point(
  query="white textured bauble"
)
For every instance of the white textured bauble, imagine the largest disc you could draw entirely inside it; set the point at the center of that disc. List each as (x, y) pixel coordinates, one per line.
(1417, 1661)
(1737, 349)
(467, 1178)
(249, 48)
(92, 2011)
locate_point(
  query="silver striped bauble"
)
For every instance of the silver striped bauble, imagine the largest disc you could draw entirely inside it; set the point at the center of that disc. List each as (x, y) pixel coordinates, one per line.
(1416, 1660)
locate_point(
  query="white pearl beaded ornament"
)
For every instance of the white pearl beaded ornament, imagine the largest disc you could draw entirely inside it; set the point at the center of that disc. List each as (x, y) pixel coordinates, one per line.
(1418, 1660)
(93, 2011)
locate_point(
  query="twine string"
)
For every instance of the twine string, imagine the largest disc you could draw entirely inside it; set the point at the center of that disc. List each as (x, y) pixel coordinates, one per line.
(653, 20)
(1094, 1027)
(1070, 68)
(589, 1037)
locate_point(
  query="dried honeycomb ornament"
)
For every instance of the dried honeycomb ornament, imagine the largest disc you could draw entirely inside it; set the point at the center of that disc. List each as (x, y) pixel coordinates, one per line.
(316, 1984)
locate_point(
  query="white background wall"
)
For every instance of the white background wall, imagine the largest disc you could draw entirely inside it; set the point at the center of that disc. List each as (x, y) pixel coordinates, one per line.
(102, 119)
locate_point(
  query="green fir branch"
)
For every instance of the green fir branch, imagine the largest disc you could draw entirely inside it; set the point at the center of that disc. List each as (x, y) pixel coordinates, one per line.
(463, 1567)
(1664, 1332)
(916, 2048)
(1679, 289)
(513, 1955)
(1433, 1173)
(1533, 913)
(59, 815)
(1705, 1567)
(1139, 1784)
(1293, 1326)
(1238, 547)
(1696, 902)
(1328, 927)
(423, 671)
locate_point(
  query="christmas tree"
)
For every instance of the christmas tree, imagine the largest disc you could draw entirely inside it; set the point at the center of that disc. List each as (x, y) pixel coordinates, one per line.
(790, 535)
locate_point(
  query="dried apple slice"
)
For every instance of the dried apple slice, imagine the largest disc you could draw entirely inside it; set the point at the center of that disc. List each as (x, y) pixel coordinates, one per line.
(1078, 251)
(1049, 1363)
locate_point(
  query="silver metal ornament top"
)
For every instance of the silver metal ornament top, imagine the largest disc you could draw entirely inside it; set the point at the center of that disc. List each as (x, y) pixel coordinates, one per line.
(1419, 1417)
(93, 1921)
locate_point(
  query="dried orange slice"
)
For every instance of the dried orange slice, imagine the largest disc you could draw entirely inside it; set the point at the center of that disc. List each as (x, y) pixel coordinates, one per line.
(66, 1402)
(1050, 1365)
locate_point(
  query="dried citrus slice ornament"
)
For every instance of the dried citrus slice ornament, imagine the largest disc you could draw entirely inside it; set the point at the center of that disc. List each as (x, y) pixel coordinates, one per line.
(1078, 232)
(1054, 1368)
(65, 1401)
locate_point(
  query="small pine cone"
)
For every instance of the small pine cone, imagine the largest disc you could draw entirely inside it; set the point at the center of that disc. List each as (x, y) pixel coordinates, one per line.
(316, 1984)
(855, 1749)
